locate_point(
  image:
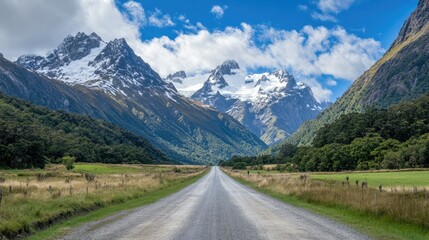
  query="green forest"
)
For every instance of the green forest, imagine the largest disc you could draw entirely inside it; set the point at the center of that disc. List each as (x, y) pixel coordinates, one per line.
(32, 136)
(393, 138)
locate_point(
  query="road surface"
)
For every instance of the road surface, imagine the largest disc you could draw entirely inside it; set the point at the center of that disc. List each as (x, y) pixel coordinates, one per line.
(215, 207)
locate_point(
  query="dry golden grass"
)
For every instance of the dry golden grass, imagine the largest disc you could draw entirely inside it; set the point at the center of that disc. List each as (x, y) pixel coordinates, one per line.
(404, 206)
(34, 199)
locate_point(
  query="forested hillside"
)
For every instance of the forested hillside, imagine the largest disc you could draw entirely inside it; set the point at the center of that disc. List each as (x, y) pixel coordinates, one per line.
(397, 137)
(32, 136)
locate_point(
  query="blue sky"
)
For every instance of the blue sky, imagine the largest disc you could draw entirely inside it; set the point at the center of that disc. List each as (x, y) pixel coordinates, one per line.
(378, 19)
(326, 44)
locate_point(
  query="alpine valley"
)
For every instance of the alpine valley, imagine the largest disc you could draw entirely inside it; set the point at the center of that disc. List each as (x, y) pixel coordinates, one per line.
(107, 80)
(271, 105)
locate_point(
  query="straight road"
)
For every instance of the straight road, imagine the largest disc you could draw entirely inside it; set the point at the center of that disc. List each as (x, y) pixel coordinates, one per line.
(215, 207)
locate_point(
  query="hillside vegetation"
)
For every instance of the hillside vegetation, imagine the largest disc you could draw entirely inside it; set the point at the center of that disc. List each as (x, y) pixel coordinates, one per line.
(32, 136)
(377, 139)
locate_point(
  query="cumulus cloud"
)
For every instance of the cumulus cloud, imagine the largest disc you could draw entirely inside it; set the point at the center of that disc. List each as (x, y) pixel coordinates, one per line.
(190, 26)
(136, 13)
(325, 17)
(218, 11)
(334, 6)
(331, 82)
(157, 19)
(40, 25)
(329, 8)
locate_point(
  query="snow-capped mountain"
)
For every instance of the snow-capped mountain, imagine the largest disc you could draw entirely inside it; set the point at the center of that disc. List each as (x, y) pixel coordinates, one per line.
(271, 105)
(108, 80)
(89, 61)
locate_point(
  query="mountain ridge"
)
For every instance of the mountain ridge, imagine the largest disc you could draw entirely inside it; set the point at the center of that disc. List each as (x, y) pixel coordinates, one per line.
(123, 89)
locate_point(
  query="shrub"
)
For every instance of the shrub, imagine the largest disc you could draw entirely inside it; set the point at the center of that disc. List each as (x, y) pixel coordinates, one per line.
(68, 162)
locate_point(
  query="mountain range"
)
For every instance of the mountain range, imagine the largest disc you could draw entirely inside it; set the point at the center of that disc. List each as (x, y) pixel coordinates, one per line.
(108, 80)
(271, 105)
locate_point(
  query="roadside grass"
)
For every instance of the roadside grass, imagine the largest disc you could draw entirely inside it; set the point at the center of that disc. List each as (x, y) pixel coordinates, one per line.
(380, 215)
(150, 197)
(35, 199)
(375, 179)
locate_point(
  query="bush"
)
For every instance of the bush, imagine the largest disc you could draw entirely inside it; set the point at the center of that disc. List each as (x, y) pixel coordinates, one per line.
(68, 162)
(239, 165)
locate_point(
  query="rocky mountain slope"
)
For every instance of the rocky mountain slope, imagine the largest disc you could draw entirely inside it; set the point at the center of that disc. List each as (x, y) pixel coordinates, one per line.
(402, 74)
(107, 80)
(271, 105)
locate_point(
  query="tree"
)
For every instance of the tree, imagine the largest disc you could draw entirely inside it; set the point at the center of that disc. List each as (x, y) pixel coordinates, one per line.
(68, 162)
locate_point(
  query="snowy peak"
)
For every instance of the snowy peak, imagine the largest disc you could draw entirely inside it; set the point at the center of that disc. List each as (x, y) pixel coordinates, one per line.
(283, 75)
(176, 77)
(216, 77)
(87, 60)
(226, 68)
(77, 47)
(118, 60)
(71, 49)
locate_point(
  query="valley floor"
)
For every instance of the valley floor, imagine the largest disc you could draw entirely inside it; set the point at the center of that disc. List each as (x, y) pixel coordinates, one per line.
(215, 207)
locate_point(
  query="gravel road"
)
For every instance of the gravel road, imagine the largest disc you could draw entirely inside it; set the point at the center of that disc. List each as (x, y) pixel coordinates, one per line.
(215, 207)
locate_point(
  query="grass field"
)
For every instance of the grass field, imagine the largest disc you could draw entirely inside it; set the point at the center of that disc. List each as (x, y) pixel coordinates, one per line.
(35, 199)
(118, 169)
(402, 214)
(375, 179)
(375, 225)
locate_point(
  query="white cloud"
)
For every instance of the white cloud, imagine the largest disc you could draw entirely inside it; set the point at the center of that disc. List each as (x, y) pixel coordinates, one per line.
(136, 12)
(331, 82)
(334, 6)
(189, 26)
(325, 17)
(303, 7)
(218, 11)
(329, 8)
(157, 19)
(40, 25)
(203, 50)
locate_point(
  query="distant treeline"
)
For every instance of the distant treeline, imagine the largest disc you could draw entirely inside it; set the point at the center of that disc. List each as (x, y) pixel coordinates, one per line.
(397, 137)
(32, 136)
